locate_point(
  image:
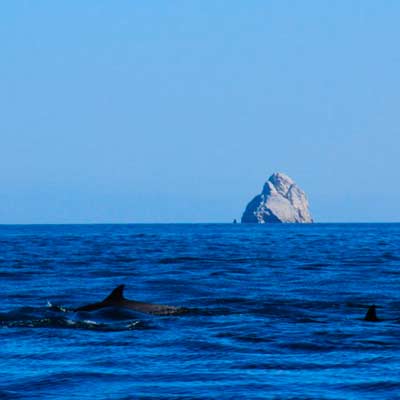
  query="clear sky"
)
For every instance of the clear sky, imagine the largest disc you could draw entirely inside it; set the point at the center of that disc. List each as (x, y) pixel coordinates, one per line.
(178, 111)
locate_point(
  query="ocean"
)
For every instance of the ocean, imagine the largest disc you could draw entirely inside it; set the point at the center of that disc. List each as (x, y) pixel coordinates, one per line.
(276, 311)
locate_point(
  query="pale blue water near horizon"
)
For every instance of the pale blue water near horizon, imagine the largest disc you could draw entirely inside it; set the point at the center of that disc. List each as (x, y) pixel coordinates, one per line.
(276, 311)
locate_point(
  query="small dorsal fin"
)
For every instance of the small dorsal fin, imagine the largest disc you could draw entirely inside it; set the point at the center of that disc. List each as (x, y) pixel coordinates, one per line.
(371, 314)
(117, 294)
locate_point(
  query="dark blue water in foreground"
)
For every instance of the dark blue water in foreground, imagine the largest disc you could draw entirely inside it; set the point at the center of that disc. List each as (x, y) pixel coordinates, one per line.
(277, 312)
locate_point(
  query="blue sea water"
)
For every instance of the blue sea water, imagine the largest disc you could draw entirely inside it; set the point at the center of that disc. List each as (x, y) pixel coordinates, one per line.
(276, 312)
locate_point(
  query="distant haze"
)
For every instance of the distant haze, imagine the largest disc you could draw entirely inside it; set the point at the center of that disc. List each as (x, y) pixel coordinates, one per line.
(167, 111)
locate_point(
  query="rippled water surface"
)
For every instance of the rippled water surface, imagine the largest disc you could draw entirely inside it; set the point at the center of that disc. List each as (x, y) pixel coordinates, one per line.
(275, 312)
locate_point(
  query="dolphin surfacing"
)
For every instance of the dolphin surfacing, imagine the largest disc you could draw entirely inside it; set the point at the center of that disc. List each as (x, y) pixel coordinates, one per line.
(117, 299)
(371, 316)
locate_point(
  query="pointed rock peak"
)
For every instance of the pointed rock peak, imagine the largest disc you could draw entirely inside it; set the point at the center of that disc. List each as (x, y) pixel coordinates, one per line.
(280, 201)
(277, 177)
(282, 183)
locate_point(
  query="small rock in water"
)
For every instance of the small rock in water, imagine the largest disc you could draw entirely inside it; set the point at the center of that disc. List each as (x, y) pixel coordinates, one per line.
(280, 201)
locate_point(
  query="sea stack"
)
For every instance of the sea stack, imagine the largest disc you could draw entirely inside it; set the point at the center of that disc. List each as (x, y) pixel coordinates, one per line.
(281, 201)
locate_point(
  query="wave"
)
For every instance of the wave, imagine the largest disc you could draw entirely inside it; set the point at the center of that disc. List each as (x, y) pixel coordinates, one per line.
(66, 323)
(30, 317)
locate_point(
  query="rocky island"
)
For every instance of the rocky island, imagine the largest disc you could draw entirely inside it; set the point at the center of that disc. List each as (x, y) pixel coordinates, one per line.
(281, 201)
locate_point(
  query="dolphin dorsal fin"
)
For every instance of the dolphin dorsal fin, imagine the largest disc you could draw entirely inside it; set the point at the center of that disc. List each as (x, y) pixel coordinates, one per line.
(117, 294)
(371, 314)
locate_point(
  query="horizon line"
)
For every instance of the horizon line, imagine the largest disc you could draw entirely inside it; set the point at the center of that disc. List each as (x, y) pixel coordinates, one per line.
(197, 223)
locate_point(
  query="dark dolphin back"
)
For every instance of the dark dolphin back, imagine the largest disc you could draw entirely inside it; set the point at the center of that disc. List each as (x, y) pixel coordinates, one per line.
(116, 297)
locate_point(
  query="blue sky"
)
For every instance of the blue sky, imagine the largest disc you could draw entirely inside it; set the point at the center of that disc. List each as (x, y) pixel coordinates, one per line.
(172, 111)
